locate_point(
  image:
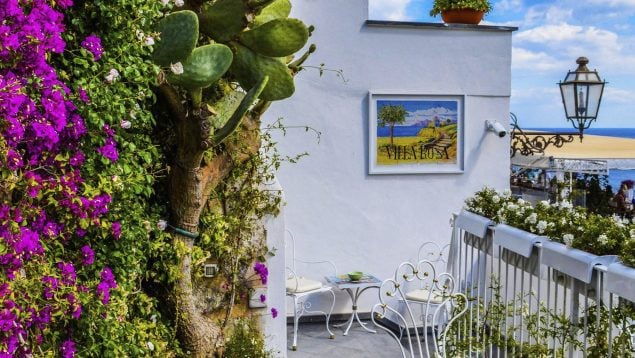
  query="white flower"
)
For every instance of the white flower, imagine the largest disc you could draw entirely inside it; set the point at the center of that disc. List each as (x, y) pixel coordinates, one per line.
(153, 318)
(149, 41)
(544, 203)
(165, 2)
(114, 178)
(150, 346)
(521, 202)
(125, 124)
(632, 232)
(162, 224)
(532, 218)
(565, 205)
(568, 239)
(512, 207)
(603, 239)
(112, 75)
(179, 3)
(496, 198)
(140, 35)
(542, 225)
(176, 68)
(507, 193)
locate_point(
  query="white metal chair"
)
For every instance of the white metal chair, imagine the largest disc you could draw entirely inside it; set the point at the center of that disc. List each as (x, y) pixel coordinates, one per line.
(300, 288)
(442, 306)
(417, 291)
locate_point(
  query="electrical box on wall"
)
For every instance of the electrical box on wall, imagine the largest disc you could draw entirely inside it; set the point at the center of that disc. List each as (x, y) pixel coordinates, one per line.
(210, 270)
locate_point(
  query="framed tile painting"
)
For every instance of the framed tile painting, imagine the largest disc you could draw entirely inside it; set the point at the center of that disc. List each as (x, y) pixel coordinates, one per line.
(413, 134)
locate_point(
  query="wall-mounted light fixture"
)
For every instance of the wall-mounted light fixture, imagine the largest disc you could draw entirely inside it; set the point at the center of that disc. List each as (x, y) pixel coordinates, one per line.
(581, 93)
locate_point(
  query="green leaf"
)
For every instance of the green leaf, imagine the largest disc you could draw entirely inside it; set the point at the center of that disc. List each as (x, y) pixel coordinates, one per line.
(235, 120)
(178, 37)
(205, 66)
(276, 38)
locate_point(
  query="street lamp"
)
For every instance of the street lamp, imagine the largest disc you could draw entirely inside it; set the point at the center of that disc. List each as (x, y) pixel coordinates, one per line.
(581, 93)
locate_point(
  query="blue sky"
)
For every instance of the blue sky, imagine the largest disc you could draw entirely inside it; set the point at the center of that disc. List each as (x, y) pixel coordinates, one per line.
(550, 36)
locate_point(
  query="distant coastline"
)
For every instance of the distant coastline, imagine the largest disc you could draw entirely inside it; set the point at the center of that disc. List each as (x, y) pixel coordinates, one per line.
(616, 176)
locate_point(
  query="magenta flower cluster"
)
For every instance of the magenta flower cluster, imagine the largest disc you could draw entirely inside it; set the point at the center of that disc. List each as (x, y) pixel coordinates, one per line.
(41, 132)
(262, 271)
(92, 43)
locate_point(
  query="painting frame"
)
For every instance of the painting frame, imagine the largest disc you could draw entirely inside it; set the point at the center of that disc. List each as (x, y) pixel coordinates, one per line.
(428, 139)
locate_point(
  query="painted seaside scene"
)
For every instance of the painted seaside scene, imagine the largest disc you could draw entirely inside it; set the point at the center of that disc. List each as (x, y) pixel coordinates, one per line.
(418, 131)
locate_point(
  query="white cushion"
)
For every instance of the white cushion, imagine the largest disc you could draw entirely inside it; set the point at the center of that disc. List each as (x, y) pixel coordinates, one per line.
(300, 284)
(423, 295)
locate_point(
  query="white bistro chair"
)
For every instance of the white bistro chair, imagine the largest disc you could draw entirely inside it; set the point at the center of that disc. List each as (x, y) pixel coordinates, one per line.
(441, 307)
(300, 288)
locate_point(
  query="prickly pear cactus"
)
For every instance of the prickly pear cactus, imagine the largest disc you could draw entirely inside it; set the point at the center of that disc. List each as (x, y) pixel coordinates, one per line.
(223, 62)
(244, 41)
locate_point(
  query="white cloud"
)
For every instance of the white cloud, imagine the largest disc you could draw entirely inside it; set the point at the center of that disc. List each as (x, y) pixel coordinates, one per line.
(534, 61)
(389, 9)
(509, 5)
(618, 95)
(613, 3)
(541, 14)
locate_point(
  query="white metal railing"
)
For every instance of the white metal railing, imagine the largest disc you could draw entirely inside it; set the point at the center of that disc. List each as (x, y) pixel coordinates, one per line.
(530, 296)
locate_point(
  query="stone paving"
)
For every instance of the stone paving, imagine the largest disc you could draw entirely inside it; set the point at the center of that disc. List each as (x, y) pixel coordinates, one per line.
(313, 341)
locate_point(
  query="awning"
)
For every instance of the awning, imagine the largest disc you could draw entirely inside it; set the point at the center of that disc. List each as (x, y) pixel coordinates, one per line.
(584, 166)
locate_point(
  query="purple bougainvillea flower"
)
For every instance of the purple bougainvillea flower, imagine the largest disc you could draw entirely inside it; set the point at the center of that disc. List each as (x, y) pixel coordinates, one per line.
(107, 282)
(67, 349)
(109, 151)
(116, 230)
(88, 255)
(68, 272)
(83, 95)
(263, 298)
(274, 312)
(262, 271)
(92, 43)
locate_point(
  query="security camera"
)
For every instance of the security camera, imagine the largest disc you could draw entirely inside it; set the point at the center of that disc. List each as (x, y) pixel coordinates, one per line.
(496, 127)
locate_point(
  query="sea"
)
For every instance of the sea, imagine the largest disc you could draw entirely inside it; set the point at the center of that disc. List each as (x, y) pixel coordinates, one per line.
(616, 176)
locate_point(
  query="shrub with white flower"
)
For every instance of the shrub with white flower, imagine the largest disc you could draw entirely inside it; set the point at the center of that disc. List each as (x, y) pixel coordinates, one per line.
(112, 75)
(561, 222)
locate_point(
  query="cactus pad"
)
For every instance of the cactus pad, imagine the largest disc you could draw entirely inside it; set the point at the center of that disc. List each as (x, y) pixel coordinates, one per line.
(205, 66)
(179, 34)
(279, 9)
(223, 19)
(276, 38)
(239, 113)
(249, 68)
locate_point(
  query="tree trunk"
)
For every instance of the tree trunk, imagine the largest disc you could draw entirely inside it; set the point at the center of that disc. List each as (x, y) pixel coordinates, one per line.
(198, 335)
(189, 187)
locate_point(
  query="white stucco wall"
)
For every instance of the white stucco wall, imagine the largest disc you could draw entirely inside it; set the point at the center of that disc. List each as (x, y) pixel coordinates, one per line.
(371, 223)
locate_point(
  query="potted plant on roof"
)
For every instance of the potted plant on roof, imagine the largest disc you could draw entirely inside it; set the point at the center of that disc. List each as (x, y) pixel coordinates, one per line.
(461, 11)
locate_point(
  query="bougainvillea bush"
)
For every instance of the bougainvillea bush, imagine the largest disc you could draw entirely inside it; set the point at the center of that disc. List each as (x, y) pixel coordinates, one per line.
(96, 255)
(77, 172)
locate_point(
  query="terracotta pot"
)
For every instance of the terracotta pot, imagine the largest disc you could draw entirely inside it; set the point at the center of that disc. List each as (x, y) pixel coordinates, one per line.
(462, 16)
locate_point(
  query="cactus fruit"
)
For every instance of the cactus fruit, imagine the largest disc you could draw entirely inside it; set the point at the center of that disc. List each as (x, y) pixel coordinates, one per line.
(223, 19)
(276, 38)
(178, 37)
(237, 117)
(279, 9)
(249, 68)
(205, 66)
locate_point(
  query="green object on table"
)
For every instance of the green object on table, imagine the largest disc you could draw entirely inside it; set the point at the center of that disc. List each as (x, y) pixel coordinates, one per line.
(355, 275)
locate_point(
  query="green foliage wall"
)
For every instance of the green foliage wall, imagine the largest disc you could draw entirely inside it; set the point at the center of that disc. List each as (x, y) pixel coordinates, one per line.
(131, 325)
